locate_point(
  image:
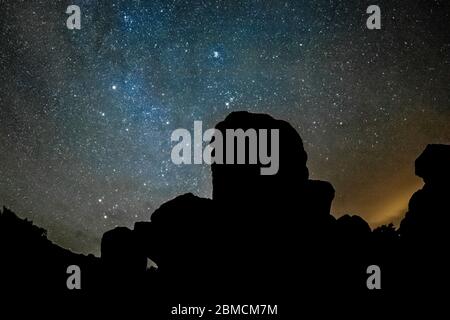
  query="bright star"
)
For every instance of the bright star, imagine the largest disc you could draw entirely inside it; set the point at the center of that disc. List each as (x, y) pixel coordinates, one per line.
(114, 87)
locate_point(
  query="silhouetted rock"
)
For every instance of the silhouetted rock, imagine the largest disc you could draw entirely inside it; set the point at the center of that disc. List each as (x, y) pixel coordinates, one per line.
(318, 198)
(353, 227)
(122, 259)
(428, 216)
(268, 237)
(179, 233)
(424, 230)
(30, 263)
(433, 165)
(245, 183)
(270, 204)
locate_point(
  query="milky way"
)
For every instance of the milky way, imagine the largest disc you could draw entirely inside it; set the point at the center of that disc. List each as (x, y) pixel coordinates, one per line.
(86, 115)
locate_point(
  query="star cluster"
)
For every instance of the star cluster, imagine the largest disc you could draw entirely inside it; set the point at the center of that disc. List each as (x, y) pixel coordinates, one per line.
(86, 115)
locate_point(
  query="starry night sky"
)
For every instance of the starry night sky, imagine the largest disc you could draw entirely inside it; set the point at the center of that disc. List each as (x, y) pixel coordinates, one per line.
(86, 115)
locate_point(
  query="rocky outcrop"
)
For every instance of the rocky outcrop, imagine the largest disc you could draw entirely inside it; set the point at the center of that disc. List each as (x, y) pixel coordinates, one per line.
(260, 236)
(428, 215)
